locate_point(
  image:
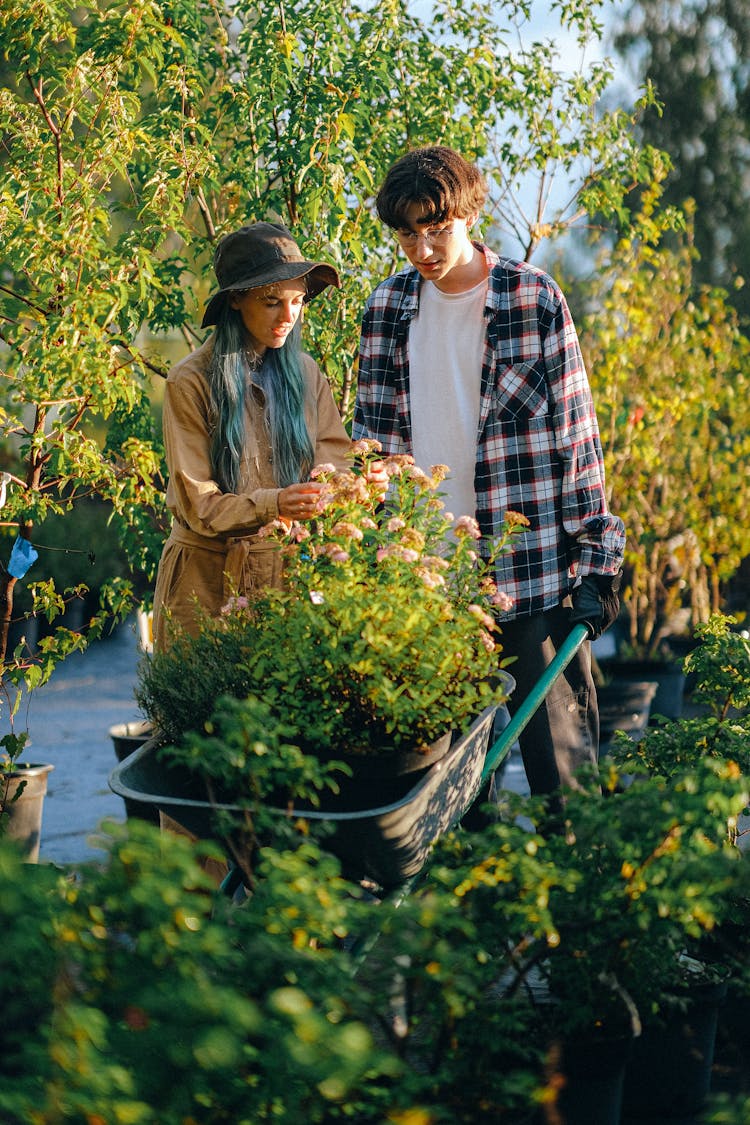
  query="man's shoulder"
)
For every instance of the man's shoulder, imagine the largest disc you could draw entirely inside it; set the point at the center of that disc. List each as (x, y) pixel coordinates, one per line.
(511, 279)
(514, 270)
(390, 292)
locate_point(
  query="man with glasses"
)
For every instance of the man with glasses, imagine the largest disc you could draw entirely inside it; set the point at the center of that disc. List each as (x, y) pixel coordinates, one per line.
(472, 360)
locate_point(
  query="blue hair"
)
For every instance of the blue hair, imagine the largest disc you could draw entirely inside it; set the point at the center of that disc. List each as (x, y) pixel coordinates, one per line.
(281, 378)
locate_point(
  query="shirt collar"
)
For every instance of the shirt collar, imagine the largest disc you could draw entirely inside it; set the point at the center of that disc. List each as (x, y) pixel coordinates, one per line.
(413, 284)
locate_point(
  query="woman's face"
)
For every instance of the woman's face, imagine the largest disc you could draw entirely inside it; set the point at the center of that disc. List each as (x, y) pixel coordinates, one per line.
(270, 312)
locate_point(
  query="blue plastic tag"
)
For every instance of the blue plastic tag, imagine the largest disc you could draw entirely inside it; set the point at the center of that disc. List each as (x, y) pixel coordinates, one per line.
(21, 557)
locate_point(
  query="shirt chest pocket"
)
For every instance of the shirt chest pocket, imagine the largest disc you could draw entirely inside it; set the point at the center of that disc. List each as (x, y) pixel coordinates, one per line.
(520, 393)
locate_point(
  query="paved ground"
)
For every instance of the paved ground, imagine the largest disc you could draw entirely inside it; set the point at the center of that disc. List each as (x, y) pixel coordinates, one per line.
(68, 722)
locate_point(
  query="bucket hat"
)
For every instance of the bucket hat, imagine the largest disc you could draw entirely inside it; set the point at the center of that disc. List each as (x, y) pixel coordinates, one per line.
(259, 254)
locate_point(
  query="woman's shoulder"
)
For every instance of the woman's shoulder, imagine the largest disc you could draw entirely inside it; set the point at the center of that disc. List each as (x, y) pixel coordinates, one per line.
(310, 369)
(193, 366)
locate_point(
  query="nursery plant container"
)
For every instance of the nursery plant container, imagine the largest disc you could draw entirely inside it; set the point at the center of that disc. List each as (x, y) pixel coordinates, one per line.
(666, 674)
(126, 739)
(382, 832)
(586, 1066)
(593, 1067)
(24, 814)
(624, 705)
(669, 1072)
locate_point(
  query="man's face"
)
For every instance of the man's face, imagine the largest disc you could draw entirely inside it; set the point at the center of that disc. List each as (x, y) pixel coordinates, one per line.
(436, 249)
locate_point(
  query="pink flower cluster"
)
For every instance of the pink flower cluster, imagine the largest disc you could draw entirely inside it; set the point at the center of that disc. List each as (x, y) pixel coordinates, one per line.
(235, 605)
(416, 533)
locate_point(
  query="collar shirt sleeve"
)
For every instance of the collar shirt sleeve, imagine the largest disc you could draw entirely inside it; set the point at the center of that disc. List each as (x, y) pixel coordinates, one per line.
(599, 535)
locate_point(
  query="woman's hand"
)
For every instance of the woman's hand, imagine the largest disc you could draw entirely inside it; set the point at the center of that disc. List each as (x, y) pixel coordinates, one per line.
(301, 501)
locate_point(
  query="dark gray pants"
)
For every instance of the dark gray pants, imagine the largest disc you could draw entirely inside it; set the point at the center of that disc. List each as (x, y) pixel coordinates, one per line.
(564, 731)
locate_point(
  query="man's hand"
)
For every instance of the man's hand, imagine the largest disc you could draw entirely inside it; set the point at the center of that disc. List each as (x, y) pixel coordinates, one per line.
(378, 476)
(596, 602)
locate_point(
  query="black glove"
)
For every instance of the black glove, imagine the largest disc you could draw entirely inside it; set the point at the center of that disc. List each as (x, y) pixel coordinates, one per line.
(596, 602)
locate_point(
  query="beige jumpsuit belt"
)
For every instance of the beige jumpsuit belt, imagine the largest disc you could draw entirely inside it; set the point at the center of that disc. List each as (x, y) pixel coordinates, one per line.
(236, 550)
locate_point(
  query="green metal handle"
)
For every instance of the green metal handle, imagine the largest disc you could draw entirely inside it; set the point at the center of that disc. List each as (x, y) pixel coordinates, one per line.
(500, 749)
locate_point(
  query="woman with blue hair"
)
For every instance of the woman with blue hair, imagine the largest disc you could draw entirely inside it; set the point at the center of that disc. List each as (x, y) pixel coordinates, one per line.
(246, 418)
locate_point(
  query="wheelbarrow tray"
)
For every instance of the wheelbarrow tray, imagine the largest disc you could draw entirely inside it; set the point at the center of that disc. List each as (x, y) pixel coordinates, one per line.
(388, 843)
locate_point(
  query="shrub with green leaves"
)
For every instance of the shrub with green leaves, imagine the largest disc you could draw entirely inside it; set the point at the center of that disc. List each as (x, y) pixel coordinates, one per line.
(246, 757)
(32, 901)
(720, 732)
(152, 1003)
(670, 374)
(592, 924)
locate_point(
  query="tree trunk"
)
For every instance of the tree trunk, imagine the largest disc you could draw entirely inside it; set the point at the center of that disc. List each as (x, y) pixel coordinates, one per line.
(7, 585)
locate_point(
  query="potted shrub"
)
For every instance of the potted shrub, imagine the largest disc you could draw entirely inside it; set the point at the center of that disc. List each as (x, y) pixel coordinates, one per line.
(640, 917)
(132, 994)
(381, 640)
(669, 371)
(708, 753)
(719, 731)
(566, 944)
(379, 650)
(23, 787)
(635, 882)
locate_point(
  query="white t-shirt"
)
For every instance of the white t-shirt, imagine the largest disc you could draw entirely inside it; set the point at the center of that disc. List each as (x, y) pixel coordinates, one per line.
(446, 349)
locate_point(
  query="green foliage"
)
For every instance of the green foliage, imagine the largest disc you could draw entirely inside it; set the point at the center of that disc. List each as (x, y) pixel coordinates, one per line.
(148, 1003)
(380, 639)
(30, 900)
(78, 243)
(670, 373)
(726, 1109)
(12, 746)
(200, 669)
(444, 954)
(515, 942)
(720, 734)
(134, 134)
(708, 754)
(721, 667)
(653, 875)
(83, 560)
(155, 1003)
(592, 924)
(245, 756)
(694, 55)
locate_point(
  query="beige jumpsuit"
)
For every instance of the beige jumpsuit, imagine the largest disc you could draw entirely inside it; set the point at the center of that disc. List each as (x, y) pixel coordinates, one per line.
(213, 549)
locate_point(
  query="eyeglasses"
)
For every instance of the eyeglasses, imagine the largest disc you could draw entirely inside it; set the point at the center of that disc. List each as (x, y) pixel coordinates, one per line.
(431, 235)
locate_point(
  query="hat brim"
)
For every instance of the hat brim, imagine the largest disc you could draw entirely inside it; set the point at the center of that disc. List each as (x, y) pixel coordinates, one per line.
(319, 277)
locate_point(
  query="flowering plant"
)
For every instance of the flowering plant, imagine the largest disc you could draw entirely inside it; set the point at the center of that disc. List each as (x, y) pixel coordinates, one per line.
(383, 635)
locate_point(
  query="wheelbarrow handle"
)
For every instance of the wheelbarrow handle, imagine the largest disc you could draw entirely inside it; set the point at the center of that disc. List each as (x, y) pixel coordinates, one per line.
(495, 755)
(500, 749)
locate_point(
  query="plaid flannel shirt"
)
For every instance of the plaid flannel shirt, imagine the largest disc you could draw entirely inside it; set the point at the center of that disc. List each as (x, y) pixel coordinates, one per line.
(538, 446)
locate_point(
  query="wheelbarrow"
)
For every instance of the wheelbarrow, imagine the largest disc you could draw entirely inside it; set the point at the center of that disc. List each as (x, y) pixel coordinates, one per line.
(387, 844)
